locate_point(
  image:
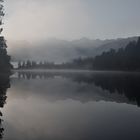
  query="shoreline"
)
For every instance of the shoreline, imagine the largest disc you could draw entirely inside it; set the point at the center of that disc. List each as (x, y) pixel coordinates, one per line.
(75, 71)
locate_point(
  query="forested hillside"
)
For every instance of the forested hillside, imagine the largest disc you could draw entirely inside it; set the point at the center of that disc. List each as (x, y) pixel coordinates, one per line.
(127, 58)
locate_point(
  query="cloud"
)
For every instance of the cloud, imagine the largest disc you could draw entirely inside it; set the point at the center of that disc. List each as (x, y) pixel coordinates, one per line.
(43, 19)
(69, 19)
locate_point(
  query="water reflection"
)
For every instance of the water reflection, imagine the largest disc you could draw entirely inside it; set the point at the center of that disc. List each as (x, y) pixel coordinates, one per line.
(4, 85)
(107, 86)
(72, 106)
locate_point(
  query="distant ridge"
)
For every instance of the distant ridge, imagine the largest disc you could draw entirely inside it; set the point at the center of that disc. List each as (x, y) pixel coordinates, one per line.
(61, 50)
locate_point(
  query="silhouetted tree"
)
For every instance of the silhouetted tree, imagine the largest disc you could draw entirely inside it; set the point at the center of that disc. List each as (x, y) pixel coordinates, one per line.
(28, 64)
(19, 65)
(33, 64)
(5, 68)
(23, 65)
(5, 65)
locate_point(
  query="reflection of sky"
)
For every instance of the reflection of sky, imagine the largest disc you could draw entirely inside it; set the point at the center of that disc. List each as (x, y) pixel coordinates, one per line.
(58, 88)
(30, 114)
(34, 118)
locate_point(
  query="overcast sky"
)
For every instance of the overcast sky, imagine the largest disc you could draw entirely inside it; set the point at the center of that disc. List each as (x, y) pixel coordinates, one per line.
(71, 19)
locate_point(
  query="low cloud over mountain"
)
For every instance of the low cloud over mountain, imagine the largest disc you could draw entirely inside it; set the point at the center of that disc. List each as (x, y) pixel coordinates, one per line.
(61, 50)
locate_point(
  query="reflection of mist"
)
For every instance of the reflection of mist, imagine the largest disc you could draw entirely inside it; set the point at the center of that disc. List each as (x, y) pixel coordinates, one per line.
(96, 86)
(63, 106)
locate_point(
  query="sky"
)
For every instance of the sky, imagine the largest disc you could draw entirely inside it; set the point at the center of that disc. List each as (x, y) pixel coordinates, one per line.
(71, 19)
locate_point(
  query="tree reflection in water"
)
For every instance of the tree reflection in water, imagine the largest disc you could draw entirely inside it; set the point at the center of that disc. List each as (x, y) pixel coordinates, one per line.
(4, 85)
(126, 84)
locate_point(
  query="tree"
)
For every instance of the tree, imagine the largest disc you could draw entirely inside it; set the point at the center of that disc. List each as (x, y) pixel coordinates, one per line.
(28, 64)
(5, 65)
(19, 65)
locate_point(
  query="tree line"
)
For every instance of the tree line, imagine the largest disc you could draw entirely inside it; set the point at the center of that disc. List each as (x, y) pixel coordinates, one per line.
(75, 64)
(34, 64)
(127, 58)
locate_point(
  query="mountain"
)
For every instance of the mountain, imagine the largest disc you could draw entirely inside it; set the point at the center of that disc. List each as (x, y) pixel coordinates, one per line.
(61, 50)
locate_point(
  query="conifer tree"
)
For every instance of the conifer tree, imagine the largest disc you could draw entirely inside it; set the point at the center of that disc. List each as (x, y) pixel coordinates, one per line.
(5, 65)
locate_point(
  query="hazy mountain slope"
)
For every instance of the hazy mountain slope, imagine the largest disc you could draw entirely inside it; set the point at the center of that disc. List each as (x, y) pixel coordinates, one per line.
(61, 50)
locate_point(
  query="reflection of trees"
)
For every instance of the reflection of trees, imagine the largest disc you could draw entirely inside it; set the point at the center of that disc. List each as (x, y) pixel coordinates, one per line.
(121, 83)
(4, 85)
(34, 75)
(126, 84)
(28, 75)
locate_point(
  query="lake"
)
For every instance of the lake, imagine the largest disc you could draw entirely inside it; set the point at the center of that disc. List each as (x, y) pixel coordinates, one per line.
(70, 106)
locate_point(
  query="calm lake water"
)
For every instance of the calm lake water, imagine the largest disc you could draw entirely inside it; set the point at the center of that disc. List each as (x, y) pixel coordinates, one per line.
(71, 106)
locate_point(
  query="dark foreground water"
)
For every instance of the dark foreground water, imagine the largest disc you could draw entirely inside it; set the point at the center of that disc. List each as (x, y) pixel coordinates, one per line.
(71, 106)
